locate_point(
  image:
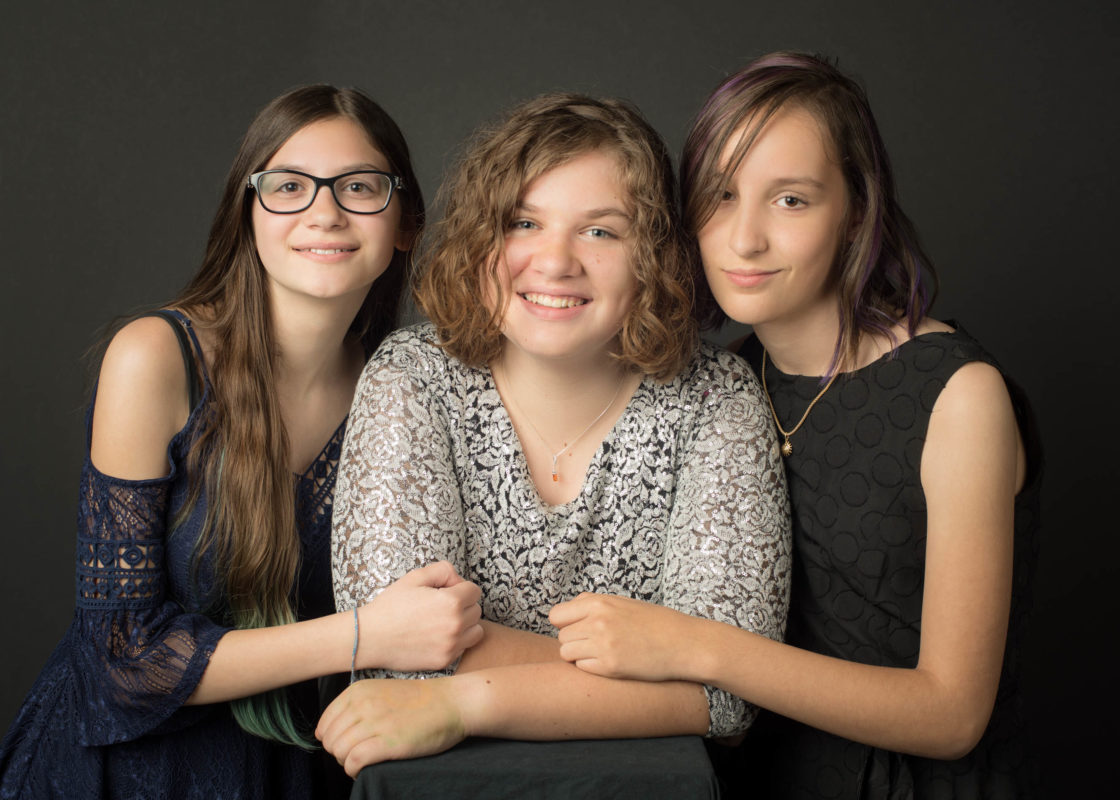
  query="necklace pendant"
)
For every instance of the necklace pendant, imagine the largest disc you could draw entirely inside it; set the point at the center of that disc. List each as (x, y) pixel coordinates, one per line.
(787, 448)
(555, 478)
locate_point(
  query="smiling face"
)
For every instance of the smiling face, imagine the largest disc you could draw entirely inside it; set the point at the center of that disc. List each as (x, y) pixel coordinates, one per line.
(771, 247)
(566, 261)
(324, 252)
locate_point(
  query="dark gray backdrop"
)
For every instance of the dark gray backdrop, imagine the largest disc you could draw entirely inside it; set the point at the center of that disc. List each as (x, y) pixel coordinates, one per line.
(119, 124)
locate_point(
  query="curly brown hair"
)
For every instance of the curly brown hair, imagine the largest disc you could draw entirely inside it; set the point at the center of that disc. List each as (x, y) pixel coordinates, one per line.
(480, 200)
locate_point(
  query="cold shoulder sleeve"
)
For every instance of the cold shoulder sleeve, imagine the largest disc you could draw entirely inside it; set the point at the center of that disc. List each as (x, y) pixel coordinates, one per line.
(136, 655)
(728, 552)
(397, 503)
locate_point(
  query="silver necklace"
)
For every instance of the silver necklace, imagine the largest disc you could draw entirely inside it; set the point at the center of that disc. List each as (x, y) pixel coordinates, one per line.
(556, 456)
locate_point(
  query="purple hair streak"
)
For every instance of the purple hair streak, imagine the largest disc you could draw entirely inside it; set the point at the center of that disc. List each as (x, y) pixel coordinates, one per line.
(884, 277)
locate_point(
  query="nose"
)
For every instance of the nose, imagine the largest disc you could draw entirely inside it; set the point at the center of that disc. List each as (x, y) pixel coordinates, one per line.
(747, 234)
(555, 256)
(324, 211)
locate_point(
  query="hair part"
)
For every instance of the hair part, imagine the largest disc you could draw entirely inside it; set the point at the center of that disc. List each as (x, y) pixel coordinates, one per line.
(239, 461)
(883, 276)
(459, 267)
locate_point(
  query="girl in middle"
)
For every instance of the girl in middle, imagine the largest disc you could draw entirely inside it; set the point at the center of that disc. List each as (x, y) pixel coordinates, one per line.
(556, 429)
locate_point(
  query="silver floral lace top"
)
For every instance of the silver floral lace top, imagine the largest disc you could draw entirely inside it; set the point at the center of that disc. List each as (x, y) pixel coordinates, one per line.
(684, 504)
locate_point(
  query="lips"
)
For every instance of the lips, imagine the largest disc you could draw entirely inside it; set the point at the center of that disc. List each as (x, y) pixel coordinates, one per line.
(553, 300)
(750, 279)
(325, 251)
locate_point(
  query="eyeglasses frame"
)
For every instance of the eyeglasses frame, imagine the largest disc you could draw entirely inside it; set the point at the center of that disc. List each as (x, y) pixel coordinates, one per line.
(395, 183)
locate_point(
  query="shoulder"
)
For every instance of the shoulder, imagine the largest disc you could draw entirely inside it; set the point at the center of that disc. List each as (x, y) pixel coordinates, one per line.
(403, 353)
(926, 362)
(714, 369)
(411, 347)
(410, 362)
(145, 356)
(973, 383)
(141, 401)
(718, 388)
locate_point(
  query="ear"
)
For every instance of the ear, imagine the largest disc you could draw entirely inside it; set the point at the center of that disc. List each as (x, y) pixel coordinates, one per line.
(405, 240)
(855, 219)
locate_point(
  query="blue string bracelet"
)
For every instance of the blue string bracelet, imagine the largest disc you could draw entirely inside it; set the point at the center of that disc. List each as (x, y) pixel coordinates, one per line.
(354, 654)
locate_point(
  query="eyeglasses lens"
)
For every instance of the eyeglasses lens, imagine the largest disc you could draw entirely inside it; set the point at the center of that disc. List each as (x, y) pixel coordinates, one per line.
(360, 192)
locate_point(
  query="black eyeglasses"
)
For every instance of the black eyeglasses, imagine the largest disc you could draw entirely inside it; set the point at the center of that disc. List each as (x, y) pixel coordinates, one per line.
(286, 191)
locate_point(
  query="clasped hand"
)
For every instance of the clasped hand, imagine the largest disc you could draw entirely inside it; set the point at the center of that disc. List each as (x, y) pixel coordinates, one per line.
(422, 621)
(619, 637)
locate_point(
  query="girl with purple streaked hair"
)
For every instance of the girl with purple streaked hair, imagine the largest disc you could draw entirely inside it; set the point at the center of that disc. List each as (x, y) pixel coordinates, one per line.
(913, 465)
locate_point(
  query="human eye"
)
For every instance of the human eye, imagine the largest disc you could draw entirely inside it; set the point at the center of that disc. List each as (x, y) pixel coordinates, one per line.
(791, 201)
(285, 183)
(365, 185)
(522, 225)
(601, 233)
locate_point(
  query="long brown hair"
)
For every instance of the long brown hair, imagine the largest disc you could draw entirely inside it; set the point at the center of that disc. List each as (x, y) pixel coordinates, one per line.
(480, 199)
(239, 461)
(884, 276)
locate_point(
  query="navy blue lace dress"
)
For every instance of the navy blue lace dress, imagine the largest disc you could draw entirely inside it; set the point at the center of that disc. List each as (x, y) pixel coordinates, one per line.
(106, 717)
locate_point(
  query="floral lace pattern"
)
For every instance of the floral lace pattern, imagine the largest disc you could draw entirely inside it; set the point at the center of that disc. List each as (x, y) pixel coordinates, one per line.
(683, 505)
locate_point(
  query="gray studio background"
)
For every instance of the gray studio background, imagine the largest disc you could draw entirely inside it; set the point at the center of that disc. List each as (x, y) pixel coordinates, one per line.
(120, 120)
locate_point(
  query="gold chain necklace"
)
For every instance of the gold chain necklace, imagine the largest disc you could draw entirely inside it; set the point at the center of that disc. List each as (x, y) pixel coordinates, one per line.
(787, 447)
(556, 456)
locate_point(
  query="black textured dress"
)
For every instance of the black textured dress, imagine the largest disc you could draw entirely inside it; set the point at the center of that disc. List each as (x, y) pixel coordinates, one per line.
(859, 534)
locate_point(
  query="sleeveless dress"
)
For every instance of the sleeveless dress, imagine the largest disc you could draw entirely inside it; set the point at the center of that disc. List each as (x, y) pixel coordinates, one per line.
(106, 717)
(684, 503)
(859, 528)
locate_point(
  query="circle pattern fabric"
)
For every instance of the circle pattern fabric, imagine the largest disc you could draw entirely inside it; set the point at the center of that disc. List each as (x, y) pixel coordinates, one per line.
(859, 527)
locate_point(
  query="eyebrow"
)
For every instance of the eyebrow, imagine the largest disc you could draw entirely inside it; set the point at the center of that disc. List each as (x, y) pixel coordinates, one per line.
(594, 213)
(345, 169)
(797, 181)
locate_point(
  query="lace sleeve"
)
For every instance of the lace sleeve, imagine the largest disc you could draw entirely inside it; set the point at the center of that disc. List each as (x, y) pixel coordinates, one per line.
(728, 555)
(397, 504)
(137, 656)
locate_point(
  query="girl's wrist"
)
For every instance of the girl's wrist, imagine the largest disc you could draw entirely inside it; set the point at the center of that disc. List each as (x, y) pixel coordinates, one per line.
(699, 661)
(472, 695)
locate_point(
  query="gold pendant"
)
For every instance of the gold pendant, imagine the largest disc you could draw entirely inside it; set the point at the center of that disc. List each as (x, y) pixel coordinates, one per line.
(787, 448)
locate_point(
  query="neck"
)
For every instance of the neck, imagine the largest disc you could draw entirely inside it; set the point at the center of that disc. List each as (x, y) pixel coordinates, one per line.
(561, 397)
(804, 347)
(310, 337)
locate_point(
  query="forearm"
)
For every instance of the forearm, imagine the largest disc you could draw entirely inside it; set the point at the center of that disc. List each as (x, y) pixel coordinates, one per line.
(503, 646)
(247, 662)
(908, 710)
(548, 701)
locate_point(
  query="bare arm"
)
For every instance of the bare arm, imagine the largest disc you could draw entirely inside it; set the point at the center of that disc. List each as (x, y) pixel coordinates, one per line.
(423, 621)
(426, 620)
(378, 720)
(971, 467)
(503, 646)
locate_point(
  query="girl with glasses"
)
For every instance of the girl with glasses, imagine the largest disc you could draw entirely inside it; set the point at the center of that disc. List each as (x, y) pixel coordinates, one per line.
(556, 429)
(913, 465)
(204, 610)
